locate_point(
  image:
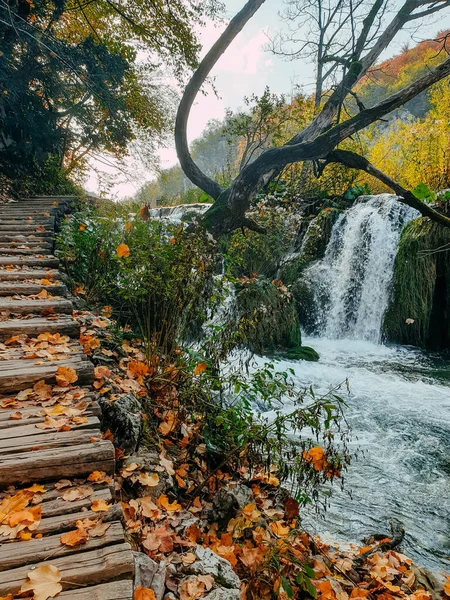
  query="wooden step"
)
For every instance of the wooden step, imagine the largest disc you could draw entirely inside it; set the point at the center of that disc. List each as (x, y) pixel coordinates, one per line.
(16, 236)
(30, 243)
(32, 261)
(26, 306)
(80, 570)
(63, 324)
(29, 273)
(13, 251)
(93, 410)
(13, 379)
(27, 289)
(35, 551)
(14, 226)
(57, 463)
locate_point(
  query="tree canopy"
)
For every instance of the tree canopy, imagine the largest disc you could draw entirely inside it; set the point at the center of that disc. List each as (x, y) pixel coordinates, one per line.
(72, 84)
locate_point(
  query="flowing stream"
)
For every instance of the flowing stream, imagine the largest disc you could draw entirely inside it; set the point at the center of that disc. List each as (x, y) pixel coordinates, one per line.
(399, 401)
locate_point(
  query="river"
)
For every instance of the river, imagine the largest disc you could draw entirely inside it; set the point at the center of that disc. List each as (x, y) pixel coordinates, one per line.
(399, 413)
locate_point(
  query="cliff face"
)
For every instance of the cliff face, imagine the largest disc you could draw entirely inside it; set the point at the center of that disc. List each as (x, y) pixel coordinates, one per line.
(419, 313)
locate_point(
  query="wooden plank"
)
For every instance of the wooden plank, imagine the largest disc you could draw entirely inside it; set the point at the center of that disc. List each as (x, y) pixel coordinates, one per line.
(119, 590)
(93, 410)
(31, 274)
(47, 261)
(12, 251)
(57, 463)
(35, 551)
(23, 431)
(26, 306)
(53, 504)
(12, 380)
(48, 441)
(11, 226)
(65, 325)
(85, 568)
(27, 289)
(66, 522)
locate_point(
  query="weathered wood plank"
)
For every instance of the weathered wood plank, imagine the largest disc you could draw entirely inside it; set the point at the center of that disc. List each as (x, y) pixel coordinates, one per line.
(25, 306)
(30, 274)
(35, 551)
(12, 251)
(119, 590)
(93, 410)
(65, 325)
(33, 261)
(23, 431)
(57, 463)
(27, 289)
(15, 379)
(85, 568)
(66, 522)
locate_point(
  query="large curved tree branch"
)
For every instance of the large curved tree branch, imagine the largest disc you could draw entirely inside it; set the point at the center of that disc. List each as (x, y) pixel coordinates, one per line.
(355, 161)
(254, 176)
(188, 165)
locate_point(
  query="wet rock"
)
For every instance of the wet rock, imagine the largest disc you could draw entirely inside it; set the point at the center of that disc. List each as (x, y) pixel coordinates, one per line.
(227, 502)
(123, 418)
(209, 563)
(223, 594)
(149, 574)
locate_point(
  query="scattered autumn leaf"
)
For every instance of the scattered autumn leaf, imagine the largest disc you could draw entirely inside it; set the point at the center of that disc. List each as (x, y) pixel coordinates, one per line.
(43, 582)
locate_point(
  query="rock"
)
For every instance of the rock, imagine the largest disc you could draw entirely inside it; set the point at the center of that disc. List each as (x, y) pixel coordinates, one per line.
(223, 594)
(429, 581)
(227, 502)
(149, 574)
(210, 563)
(148, 460)
(123, 418)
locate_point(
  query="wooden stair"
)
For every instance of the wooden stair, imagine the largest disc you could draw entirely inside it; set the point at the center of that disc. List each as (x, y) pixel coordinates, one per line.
(103, 567)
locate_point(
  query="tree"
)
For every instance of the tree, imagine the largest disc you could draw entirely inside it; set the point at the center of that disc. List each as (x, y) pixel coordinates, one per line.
(71, 84)
(319, 141)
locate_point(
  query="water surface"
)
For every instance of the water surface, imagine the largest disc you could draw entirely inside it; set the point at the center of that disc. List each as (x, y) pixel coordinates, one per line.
(399, 412)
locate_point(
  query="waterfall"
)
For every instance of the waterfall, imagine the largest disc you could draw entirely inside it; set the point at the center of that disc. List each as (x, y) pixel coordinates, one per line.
(352, 282)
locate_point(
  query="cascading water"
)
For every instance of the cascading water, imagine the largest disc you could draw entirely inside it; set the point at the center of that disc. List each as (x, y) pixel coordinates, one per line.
(398, 407)
(352, 282)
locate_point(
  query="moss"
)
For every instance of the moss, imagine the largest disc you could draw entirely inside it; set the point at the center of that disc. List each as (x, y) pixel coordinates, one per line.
(301, 353)
(318, 235)
(267, 316)
(421, 287)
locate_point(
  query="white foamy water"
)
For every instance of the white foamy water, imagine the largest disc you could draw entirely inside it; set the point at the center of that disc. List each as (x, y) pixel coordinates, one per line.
(352, 282)
(399, 413)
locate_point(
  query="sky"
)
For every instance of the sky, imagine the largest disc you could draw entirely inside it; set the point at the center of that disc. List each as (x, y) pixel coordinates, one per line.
(246, 67)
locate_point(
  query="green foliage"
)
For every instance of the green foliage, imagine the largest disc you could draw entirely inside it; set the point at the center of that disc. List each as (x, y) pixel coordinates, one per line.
(158, 289)
(250, 415)
(248, 253)
(71, 84)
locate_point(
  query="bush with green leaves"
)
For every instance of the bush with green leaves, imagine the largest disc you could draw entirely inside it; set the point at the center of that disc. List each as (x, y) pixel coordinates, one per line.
(154, 275)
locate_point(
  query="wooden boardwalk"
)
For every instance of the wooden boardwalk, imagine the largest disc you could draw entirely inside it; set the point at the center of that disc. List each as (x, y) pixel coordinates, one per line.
(33, 301)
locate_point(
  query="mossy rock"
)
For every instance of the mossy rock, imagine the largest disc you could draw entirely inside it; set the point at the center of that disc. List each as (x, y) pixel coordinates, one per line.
(318, 234)
(299, 353)
(267, 316)
(419, 313)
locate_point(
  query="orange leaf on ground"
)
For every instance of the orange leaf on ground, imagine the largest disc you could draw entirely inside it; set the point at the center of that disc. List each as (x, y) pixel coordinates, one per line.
(143, 593)
(98, 476)
(43, 582)
(123, 251)
(100, 505)
(65, 376)
(82, 227)
(171, 507)
(75, 537)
